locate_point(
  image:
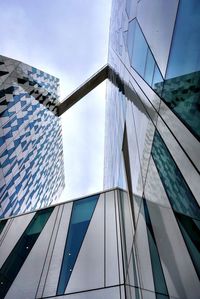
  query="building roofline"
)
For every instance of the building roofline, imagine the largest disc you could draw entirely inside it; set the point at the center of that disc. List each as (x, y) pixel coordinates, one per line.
(66, 202)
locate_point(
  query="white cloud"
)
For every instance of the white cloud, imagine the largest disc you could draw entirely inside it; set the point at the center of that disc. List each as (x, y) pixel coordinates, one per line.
(68, 39)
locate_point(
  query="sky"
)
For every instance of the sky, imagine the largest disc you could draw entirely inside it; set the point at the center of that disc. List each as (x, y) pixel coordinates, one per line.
(67, 39)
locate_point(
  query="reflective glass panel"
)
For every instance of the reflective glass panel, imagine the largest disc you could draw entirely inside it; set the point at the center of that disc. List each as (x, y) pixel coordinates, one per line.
(182, 96)
(82, 212)
(181, 89)
(185, 49)
(141, 57)
(179, 194)
(139, 51)
(149, 70)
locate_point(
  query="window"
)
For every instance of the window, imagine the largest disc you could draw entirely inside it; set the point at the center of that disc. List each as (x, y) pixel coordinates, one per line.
(81, 215)
(141, 57)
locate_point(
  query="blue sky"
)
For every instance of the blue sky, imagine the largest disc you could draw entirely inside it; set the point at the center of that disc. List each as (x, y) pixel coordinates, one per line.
(68, 39)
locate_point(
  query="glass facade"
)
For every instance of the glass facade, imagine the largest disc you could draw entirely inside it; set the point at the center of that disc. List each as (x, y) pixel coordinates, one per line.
(141, 241)
(141, 57)
(156, 61)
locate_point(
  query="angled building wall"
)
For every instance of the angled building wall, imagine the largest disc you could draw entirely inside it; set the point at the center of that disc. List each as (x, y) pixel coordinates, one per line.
(152, 144)
(31, 161)
(71, 250)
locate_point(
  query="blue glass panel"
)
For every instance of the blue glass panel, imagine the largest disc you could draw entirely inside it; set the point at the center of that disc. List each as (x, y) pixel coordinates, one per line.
(141, 57)
(149, 70)
(138, 60)
(17, 257)
(181, 89)
(82, 212)
(179, 194)
(158, 275)
(190, 229)
(185, 49)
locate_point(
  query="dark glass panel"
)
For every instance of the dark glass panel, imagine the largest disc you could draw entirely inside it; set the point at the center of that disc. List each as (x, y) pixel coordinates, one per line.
(149, 70)
(2, 225)
(18, 255)
(139, 54)
(190, 229)
(81, 215)
(179, 194)
(158, 275)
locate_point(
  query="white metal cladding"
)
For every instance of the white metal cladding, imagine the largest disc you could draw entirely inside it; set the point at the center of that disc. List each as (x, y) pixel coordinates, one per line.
(16, 229)
(49, 253)
(26, 283)
(111, 245)
(52, 278)
(88, 272)
(110, 293)
(119, 238)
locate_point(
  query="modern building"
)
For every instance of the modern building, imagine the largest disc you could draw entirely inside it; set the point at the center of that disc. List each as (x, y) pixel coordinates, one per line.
(152, 143)
(140, 239)
(31, 157)
(72, 250)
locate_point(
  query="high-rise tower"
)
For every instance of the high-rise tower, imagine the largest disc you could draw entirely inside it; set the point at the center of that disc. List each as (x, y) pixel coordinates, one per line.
(31, 162)
(152, 145)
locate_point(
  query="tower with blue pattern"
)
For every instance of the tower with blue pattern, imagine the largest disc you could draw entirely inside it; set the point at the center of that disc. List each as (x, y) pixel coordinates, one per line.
(31, 153)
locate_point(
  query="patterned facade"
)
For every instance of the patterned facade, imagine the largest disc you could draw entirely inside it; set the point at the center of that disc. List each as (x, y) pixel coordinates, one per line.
(72, 250)
(152, 145)
(31, 172)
